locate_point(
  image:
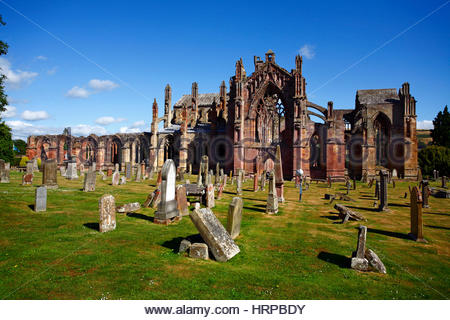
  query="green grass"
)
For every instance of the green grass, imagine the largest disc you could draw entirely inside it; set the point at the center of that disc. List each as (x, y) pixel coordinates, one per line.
(298, 254)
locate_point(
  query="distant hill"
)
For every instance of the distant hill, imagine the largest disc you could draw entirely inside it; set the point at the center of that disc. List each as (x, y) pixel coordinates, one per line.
(424, 138)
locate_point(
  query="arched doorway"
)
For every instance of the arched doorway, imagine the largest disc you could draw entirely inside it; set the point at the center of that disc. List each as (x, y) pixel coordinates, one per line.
(317, 167)
(382, 134)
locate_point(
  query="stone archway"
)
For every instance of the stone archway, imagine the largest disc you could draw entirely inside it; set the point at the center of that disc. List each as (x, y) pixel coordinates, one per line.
(382, 135)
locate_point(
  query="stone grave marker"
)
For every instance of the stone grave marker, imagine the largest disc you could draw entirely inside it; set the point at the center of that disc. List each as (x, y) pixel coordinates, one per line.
(444, 182)
(239, 182)
(214, 234)
(217, 176)
(383, 191)
(71, 172)
(279, 181)
(425, 193)
(49, 176)
(255, 182)
(359, 262)
(128, 207)
(27, 179)
(234, 217)
(35, 165)
(167, 208)
(416, 215)
(116, 178)
(40, 200)
(199, 251)
(123, 180)
(209, 196)
(182, 203)
(138, 174)
(263, 181)
(89, 180)
(272, 199)
(4, 171)
(30, 167)
(107, 209)
(128, 170)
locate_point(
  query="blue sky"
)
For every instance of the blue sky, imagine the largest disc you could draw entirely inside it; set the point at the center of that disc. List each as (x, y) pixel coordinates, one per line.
(114, 57)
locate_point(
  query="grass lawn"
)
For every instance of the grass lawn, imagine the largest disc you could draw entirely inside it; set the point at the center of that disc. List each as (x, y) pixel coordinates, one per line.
(298, 254)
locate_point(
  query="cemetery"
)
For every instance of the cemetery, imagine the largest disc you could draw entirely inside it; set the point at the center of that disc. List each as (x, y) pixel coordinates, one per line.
(81, 233)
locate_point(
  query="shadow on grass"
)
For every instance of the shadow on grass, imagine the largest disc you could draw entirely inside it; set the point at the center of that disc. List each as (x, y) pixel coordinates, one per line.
(339, 260)
(332, 217)
(92, 225)
(174, 244)
(389, 233)
(438, 213)
(398, 205)
(140, 216)
(367, 209)
(255, 209)
(31, 206)
(438, 227)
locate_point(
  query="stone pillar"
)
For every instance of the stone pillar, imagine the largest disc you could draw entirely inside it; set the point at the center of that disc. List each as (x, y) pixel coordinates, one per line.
(383, 191)
(416, 215)
(279, 181)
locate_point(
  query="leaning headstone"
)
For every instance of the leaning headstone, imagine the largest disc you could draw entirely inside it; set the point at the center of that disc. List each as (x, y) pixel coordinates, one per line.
(30, 167)
(107, 209)
(40, 200)
(199, 251)
(49, 176)
(272, 199)
(89, 180)
(167, 208)
(71, 172)
(128, 170)
(279, 181)
(182, 204)
(383, 191)
(116, 178)
(234, 217)
(214, 234)
(128, 207)
(359, 262)
(4, 171)
(27, 179)
(416, 215)
(374, 261)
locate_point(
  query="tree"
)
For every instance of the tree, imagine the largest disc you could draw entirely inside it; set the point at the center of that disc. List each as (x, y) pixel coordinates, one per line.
(20, 146)
(441, 131)
(435, 158)
(6, 144)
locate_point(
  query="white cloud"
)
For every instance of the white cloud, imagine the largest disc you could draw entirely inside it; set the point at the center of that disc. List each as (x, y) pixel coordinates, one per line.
(102, 85)
(108, 120)
(21, 129)
(138, 124)
(15, 78)
(34, 115)
(86, 129)
(52, 71)
(42, 58)
(17, 101)
(77, 92)
(425, 124)
(307, 51)
(9, 112)
(129, 130)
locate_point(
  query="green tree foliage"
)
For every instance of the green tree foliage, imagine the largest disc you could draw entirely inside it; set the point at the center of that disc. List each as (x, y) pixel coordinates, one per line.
(21, 146)
(441, 132)
(435, 158)
(6, 144)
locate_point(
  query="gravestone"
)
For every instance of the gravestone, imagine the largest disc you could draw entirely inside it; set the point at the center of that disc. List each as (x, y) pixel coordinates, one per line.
(394, 174)
(217, 176)
(27, 179)
(49, 176)
(239, 183)
(128, 207)
(107, 209)
(4, 171)
(255, 182)
(40, 200)
(329, 181)
(159, 179)
(444, 182)
(416, 215)
(62, 171)
(220, 191)
(419, 175)
(109, 172)
(272, 199)
(279, 181)
(167, 208)
(89, 180)
(199, 177)
(364, 177)
(123, 180)
(209, 196)
(263, 181)
(116, 178)
(182, 203)
(204, 169)
(425, 193)
(383, 191)
(184, 246)
(222, 175)
(128, 170)
(71, 172)
(359, 262)
(138, 174)
(377, 189)
(199, 251)
(35, 165)
(348, 185)
(214, 234)
(190, 168)
(234, 217)
(116, 167)
(30, 167)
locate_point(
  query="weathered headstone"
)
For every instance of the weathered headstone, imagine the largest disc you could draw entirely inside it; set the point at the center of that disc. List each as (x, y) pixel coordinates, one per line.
(359, 262)
(220, 190)
(128, 207)
(239, 182)
(444, 182)
(138, 174)
(167, 208)
(40, 200)
(182, 203)
(394, 174)
(30, 167)
(214, 234)
(128, 170)
(184, 246)
(116, 178)
(35, 165)
(199, 251)
(27, 179)
(234, 217)
(204, 169)
(425, 193)
(217, 176)
(416, 215)
(4, 171)
(383, 191)
(272, 199)
(71, 172)
(89, 180)
(116, 167)
(123, 180)
(62, 171)
(263, 181)
(209, 196)
(107, 209)
(49, 176)
(279, 181)
(255, 183)
(419, 175)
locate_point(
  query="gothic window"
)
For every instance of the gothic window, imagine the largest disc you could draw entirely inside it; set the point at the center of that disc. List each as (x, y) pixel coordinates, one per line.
(315, 152)
(382, 128)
